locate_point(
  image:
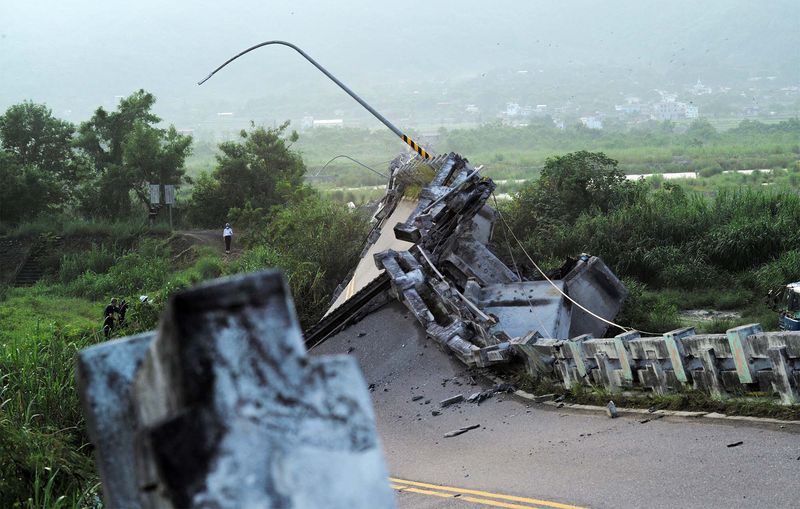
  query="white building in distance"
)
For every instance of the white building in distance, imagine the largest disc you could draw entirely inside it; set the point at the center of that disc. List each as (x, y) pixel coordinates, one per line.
(332, 122)
(592, 122)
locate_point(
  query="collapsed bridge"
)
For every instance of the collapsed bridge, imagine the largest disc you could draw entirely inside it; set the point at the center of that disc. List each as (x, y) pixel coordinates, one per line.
(429, 250)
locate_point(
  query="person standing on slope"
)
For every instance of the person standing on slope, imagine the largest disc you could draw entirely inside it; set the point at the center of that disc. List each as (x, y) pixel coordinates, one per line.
(227, 234)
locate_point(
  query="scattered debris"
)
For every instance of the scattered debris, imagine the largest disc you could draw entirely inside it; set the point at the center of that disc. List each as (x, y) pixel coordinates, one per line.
(657, 417)
(708, 315)
(350, 350)
(559, 398)
(504, 388)
(461, 431)
(435, 413)
(736, 444)
(362, 334)
(451, 400)
(560, 405)
(611, 410)
(416, 398)
(477, 397)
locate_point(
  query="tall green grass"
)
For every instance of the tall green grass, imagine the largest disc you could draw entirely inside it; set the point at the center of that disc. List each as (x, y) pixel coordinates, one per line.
(66, 226)
(672, 245)
(45, 456)
(43, 444)
(673, 239)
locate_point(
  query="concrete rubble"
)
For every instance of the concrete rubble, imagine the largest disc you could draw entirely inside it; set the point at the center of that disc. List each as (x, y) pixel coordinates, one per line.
(221, 407)
(469, 302)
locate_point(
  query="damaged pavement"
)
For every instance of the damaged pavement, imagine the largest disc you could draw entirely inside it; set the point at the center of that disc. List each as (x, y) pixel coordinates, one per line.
(536, 450)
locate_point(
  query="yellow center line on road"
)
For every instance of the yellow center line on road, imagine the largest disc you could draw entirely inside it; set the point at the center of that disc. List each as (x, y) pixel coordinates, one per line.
(482, 501)
(457, 496)
(413, 486)
(423, 492)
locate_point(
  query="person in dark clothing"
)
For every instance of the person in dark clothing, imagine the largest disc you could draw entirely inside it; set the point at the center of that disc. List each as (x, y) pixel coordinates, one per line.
(123, 308)
(108, 325)
(108, 317)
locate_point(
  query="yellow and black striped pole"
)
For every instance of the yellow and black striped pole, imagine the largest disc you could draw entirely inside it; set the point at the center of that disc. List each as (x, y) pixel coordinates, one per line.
(413, 144)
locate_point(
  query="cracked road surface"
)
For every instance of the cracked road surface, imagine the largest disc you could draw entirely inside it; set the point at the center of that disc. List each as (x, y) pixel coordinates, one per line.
(528, 455)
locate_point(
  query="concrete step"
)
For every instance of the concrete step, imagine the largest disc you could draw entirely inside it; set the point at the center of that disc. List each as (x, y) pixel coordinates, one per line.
(32, 270)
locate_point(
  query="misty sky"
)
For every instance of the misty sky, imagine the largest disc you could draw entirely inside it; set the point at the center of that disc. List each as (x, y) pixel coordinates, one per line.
(79, 54)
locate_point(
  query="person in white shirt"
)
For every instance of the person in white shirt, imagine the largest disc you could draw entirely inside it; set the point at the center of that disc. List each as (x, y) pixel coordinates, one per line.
(227, 234)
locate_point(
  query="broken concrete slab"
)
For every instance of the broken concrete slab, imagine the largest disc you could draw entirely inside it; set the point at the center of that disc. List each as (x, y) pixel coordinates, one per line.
(461, 431)
(451, 400)
(228, 411)
(104, 374)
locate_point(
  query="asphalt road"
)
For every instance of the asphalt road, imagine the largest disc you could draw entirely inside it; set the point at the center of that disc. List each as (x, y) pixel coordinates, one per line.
(527, 455)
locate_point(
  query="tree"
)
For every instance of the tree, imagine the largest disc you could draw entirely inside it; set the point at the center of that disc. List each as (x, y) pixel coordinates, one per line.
(699, 132)
(260, 169)
(103, 136)
(127, 152)
(25, 192)
(33, 137)
(155, 155)
(38, 167)
(569, 186)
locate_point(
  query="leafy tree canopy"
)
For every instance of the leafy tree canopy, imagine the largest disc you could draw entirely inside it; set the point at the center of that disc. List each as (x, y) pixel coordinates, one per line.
(37, 165)
(127, 153)
(569, 186)
(259, 169)
(33, 137)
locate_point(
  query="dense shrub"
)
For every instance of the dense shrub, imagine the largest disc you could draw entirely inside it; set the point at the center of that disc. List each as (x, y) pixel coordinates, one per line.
(305, 278)
(97, 260)
(315, 242)
(137, 272)
(667, 238)
(783, 270)
(672, 239)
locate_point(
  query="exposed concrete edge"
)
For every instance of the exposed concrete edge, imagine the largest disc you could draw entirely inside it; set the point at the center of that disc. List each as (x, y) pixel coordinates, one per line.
(634, 411)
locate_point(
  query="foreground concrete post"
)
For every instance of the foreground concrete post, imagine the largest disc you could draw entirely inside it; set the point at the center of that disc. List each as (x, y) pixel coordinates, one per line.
(105, 374)
(229, 411)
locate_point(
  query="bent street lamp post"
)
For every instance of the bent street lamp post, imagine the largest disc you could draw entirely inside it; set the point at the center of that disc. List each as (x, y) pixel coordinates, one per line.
(413, 144)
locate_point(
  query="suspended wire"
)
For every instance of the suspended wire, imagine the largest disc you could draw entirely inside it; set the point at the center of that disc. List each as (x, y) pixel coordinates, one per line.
(519, 243)
(355, 161)
(519, 276)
